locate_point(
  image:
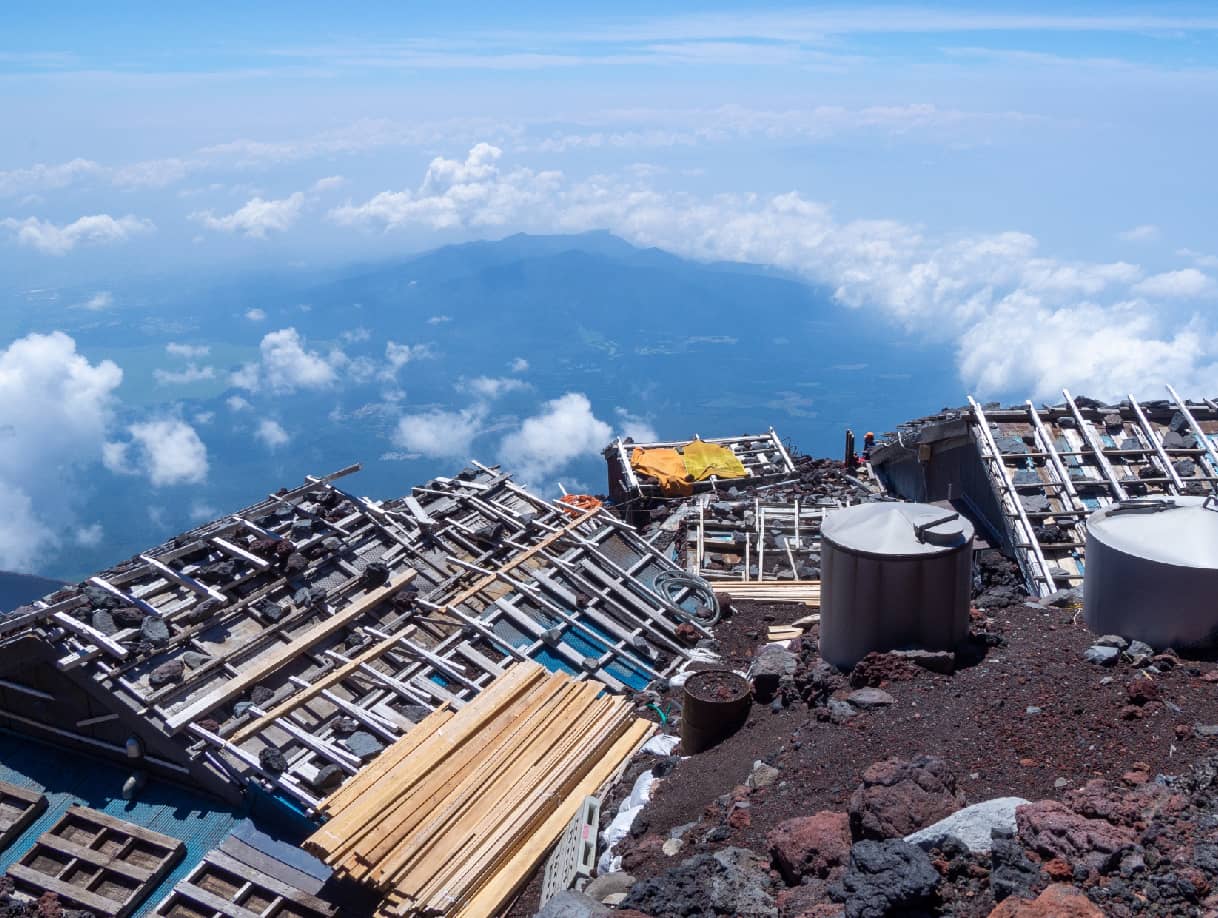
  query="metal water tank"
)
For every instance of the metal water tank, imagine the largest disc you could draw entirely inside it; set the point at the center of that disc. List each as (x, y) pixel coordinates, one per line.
(894, 576)
(1152, 571)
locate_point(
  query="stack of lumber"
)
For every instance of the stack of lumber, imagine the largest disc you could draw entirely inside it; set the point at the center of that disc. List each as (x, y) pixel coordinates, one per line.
(452, 818)
(803, 591)
(793, 630)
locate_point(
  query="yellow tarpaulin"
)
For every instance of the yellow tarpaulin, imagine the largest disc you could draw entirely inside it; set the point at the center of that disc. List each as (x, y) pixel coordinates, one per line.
(666, 466)
(702, 460)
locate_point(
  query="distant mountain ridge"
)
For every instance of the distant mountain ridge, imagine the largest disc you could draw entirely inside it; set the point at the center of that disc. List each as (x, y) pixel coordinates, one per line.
(21, 589)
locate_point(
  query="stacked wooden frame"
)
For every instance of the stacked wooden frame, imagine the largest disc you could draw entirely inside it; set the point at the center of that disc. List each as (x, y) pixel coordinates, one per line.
(453, 818)
(93, 861)
(1050, 467)
(289, 643)
(763, 456)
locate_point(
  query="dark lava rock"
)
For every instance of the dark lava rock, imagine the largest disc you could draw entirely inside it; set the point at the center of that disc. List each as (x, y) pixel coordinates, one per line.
(1012, 872)
(886, 878)
(263, 548)
(810, 845)
(898, 797)
(363, 744)
(154, 631)
(194, 659)
(127, 615)
(295, 563)
(167, 673)
(769, 669)
(103, 621)
(201, 612)
(260, 695)
(733, 881)
(220, 572)
(1174, 440)
(328, 778)
(345, 726)
(376, 574)
(271, 611)
(273, 760)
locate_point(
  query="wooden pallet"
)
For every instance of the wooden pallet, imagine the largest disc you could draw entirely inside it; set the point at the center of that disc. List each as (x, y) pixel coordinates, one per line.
(93, 861)
(19, 807)
(806, 592)
(453, 818)
(224, 885)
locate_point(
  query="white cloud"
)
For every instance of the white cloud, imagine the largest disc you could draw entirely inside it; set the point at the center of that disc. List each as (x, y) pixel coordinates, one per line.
(1201, 258)
(99, 301)
(635, 427)
(256, 217)
(438, 320)
(1111, 350)
(439, 434)
(488, 387)
(565, 429)
(271, 434)
(168, 451)
(256, 314)
(46, 177)
(188, 351)
(398, 355)
(201, 511)
(90, 536)
(237, 403)
(955, 288)
(244, 377)
(356, 335)
(1185, 284)
(519, 365)
(458, 193)
(203, 418)
(98, 229)
(329, 183)
(287, 365)
(1147, 232)
(55, 408)
(192, 373)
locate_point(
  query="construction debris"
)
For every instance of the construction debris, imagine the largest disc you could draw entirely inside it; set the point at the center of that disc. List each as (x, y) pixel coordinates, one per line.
(452, 818)
(1031, 476)
(431, 692)
(236, 666)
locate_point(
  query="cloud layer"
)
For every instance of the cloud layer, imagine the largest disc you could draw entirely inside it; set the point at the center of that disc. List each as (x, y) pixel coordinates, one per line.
(984, 291)
(55, 408)
(98, 229)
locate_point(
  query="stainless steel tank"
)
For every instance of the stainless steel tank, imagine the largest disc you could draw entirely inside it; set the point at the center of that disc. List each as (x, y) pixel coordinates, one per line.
(894, 576)
(1152, 571)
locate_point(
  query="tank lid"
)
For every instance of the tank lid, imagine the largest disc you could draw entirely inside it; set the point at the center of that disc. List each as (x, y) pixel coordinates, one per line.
(1177, 530)
(897, 530)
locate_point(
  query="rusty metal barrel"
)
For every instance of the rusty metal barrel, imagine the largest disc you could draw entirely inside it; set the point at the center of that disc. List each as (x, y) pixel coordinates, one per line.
(716, 704)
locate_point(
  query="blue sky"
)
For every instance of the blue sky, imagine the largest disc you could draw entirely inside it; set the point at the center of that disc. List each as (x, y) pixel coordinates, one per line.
(1070, 123)
(1029, 187)
(936, 164)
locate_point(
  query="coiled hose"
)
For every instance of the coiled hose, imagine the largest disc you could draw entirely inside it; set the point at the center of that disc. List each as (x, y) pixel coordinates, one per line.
(671, 584)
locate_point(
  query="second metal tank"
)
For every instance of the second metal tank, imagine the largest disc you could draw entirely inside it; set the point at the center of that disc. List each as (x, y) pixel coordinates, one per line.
(894, 576)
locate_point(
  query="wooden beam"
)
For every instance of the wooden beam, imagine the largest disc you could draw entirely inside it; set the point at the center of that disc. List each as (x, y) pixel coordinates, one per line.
(284, 655)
